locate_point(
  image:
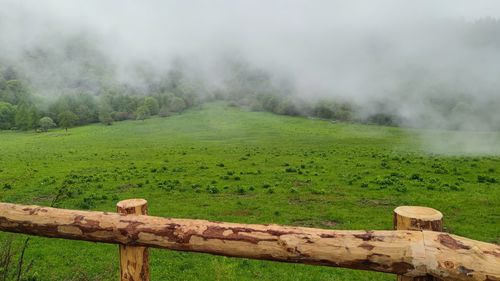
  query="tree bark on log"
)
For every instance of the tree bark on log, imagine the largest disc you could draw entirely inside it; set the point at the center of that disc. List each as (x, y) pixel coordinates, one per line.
(452, 257)
(409, 253)
(417, 218)
(134, 264)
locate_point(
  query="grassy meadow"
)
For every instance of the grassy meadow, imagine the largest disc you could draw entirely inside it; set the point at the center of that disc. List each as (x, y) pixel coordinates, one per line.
(226, 164)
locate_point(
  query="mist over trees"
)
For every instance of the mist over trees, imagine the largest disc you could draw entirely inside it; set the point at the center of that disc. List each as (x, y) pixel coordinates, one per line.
(434, 74)
(76, 103)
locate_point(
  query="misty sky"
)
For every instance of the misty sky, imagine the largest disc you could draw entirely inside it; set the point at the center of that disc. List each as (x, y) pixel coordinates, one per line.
(326, 46)
(405, 52)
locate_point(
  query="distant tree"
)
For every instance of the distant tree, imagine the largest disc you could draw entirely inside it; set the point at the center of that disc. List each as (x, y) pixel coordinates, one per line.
(164, 98)
(105, 113)
(2, 84)
(121, 116)
(270, 102)
(26, 117)
(385, 119)
(287, 107)
(22, 120)
(122, 102)
(152, 105)
(177, 104)
(7, 116)
(15, 92)
(343, 112)
(142, 112)
(82, 104)
(165, 112)
(33, 111)
(86, 108)
(60, 105)
(46, 123)
(9, 73)
(6, 94)
(324, 110)
(67, 119)
(84, 114)
(187, 90)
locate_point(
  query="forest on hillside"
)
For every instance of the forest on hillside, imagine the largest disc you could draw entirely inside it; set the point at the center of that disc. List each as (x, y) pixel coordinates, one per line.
(76, 83)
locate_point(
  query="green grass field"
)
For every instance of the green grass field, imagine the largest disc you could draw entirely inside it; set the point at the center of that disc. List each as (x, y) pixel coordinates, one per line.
(222, 163)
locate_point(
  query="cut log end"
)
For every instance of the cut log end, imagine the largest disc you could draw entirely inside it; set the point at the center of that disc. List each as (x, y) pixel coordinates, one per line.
(132, 207)
(417, 218)
(418, 212)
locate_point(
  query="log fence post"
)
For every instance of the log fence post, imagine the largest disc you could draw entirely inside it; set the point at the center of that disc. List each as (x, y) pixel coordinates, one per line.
(417, 218)
(134, 264)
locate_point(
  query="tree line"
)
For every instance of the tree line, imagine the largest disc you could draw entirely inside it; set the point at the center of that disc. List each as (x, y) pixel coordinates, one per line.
(246, 86)
(20, 109)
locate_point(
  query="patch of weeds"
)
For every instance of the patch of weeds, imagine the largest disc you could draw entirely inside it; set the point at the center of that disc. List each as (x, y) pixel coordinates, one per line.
(240, 190)
(401, 188)
(318, 191)
(416, 177)
(88, 202)
(439, 169)
(486, 179)
(213, 189)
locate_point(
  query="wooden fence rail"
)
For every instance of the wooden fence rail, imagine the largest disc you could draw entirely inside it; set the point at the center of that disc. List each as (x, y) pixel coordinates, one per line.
(409, 253)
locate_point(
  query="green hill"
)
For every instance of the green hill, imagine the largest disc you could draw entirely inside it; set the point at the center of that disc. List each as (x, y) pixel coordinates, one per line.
(222, 163)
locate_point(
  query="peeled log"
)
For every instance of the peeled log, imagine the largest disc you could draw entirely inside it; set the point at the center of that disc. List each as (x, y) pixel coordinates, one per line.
(456, 258)
(409, 253)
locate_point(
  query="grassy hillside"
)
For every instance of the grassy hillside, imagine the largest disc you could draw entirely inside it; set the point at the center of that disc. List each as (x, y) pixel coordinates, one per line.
(221, 163)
